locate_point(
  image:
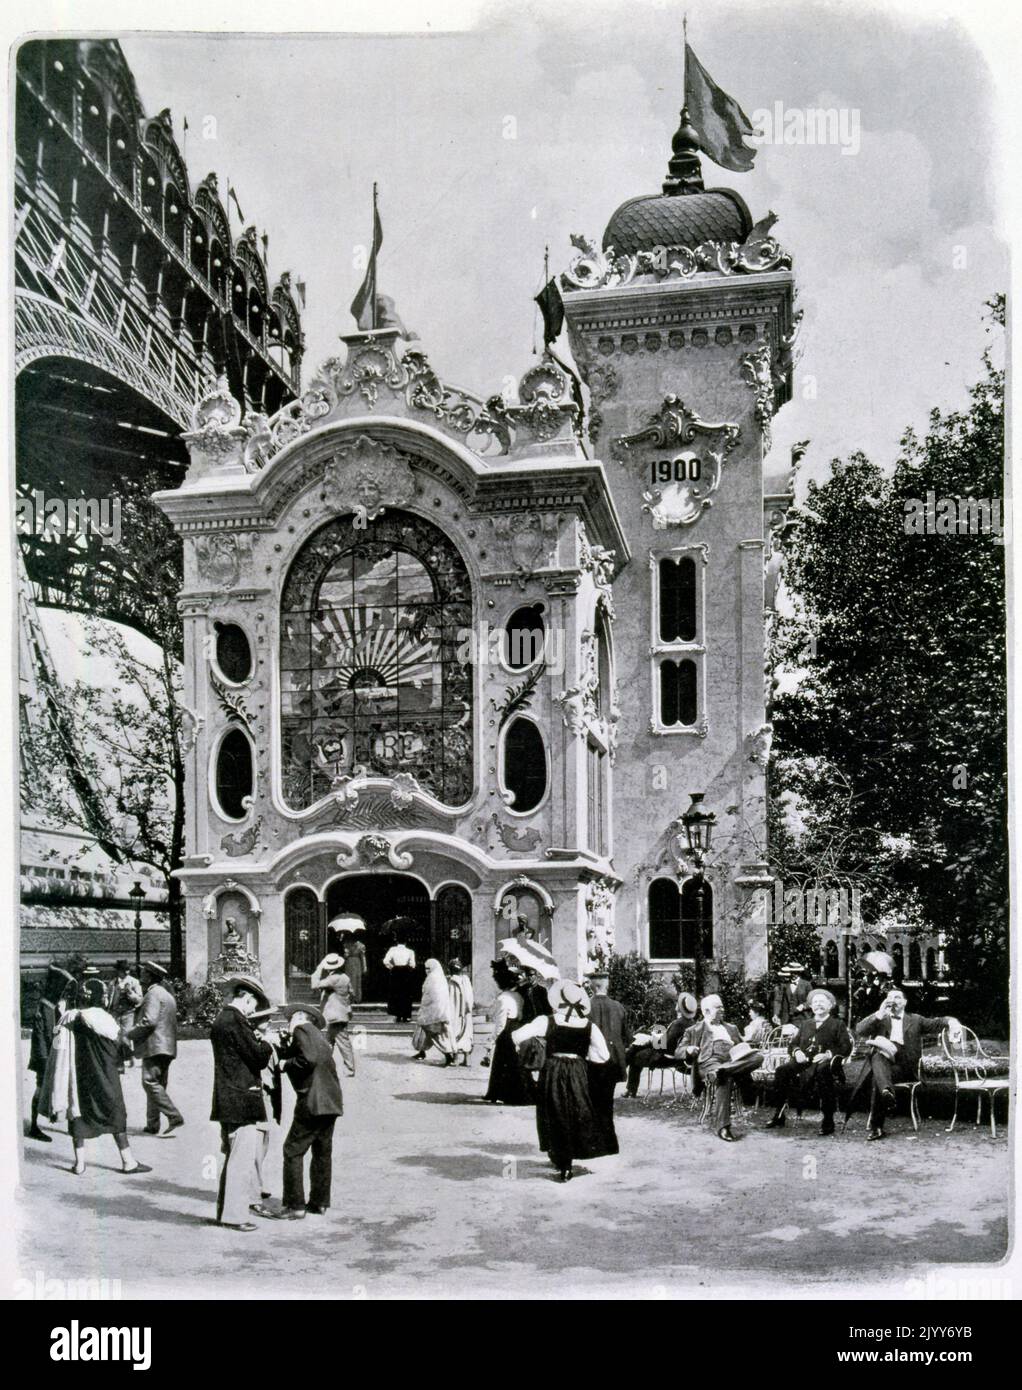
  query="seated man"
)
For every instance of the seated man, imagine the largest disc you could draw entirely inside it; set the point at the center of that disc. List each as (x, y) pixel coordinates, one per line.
(894, 1040)
(643, 1053)
(716, 1053)
(816, 1050)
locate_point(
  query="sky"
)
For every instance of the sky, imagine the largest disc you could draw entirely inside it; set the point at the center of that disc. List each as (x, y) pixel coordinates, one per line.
(535, 122)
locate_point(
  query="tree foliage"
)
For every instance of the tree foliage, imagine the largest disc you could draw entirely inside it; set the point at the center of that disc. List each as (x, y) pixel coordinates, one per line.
(889, 756)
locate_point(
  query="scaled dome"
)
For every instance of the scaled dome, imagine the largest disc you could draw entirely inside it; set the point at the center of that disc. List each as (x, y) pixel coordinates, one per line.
(659, 219)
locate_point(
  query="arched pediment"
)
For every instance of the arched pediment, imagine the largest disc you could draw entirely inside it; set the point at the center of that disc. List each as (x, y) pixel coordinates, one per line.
(211, 210)
(158, 135)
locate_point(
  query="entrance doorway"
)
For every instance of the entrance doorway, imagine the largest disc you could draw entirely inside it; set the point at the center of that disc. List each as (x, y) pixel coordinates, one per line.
(376, 898)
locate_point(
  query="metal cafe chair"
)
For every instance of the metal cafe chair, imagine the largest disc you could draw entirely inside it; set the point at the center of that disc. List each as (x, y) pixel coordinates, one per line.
(972, 1066)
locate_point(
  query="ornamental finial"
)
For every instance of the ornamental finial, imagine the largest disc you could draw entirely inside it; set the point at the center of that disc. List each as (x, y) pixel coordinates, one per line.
(684, 172)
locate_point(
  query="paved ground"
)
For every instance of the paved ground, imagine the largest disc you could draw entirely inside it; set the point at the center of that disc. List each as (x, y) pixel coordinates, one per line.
(437, 1194)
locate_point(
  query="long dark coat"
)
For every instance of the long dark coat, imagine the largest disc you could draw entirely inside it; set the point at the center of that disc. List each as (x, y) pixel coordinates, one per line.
(239, 1057)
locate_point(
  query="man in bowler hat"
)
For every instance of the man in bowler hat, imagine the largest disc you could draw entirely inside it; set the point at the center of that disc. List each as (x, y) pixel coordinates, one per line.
(308, 1059)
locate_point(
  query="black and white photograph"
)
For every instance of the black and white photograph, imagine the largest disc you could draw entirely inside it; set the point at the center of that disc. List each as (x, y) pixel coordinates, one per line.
(510, 693)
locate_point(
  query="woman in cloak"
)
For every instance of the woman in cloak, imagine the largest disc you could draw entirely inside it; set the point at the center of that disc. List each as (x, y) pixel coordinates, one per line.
(567, 1124)
(354, 952)
(510, 1082)
(434, 1017)
(83, 1078)
(462, 1003)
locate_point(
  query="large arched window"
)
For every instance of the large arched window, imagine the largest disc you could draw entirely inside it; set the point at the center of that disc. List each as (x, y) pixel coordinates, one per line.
(371, 676)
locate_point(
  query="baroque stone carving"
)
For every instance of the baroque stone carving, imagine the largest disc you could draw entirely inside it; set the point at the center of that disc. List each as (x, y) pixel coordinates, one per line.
(682, 502)
(757, 371)
(592, 269)
(216, 424)
(372, 371)
(219, 556)
(525, 541)
(602, 380)
(518, 841)
(370, 475)
(242, 841)
(372, 849)
(231, 704)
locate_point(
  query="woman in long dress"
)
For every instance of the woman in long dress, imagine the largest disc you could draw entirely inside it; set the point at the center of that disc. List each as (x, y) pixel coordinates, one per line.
(354, 964)
(566, 1122)
(462, 1004)
(400, 962)
(510, 1083)
(83, 1078)
(434, 1017)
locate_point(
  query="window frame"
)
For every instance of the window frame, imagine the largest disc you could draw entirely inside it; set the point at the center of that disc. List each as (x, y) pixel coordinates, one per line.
(677, 650)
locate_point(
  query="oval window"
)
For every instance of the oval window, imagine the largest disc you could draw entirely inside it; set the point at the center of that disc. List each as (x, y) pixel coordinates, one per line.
(524, 635)
(234, 775)
(233, 653)
(524, 765)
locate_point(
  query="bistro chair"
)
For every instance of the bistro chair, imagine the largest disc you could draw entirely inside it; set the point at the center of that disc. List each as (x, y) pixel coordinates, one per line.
(975, 1072)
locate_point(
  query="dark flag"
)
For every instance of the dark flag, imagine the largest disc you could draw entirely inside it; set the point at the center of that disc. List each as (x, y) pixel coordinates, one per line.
(231, 194)
(551, 306)
(364, 306)
(719, 121)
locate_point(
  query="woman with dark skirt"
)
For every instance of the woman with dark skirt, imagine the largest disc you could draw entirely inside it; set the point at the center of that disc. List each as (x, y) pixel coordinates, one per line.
(566, 1121)
(400, 962)
(83, 1078)
(510, 1082)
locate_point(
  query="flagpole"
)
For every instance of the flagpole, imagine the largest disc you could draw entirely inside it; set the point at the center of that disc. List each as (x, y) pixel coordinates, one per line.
(375, 266)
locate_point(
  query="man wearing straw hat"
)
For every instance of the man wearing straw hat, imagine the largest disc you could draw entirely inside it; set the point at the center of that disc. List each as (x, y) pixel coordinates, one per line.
(791, 995)
(815, 1053)
(330, 978)
(154, 1036)
(308, 1059)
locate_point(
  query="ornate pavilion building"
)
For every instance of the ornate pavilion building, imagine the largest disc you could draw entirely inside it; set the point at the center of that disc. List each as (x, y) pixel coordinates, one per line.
(465, 661)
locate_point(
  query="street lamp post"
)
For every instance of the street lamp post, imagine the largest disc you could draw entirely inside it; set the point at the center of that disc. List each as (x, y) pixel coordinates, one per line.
(137, 896)
(698, 824)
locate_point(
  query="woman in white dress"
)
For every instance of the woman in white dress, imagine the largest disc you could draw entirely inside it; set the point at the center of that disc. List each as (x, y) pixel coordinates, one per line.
(462, 1003)
(434, 1016)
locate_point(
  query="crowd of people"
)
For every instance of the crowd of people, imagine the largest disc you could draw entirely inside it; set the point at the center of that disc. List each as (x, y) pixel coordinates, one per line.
(558, 1045)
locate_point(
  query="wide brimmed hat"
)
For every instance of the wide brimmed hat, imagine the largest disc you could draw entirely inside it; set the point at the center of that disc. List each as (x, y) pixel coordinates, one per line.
(152, 966)
(332, 962)
(689, 1003)
(884, 1045)
(314, 1014)
(249, 983)
(825, 994)
(565, 996)
(794, 967)
(120, 965)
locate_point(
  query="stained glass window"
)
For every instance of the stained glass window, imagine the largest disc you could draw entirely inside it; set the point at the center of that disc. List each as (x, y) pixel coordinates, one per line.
(371, 681)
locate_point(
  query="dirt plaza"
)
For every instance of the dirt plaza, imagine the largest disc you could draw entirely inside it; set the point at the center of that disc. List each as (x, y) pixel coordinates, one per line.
(437, 1192)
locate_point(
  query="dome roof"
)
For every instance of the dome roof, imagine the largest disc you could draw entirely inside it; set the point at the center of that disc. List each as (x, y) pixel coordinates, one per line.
(660, 219)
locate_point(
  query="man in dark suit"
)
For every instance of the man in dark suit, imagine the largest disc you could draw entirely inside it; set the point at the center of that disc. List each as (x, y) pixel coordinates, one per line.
(609, 1017)
(643, 1054)
(154, 1037)
(790, 1002)
(707, 1047)
(894, 1040)
(308, 1059)
(816, 1052)
(240, 1053)
(55, 987)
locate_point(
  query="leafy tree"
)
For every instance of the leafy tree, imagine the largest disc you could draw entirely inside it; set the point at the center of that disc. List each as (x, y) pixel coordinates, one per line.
(889, 757)
(103, 756)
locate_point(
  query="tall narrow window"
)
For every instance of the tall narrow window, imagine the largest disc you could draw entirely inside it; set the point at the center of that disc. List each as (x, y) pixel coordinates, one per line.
(678, 649)
(696, 907)
(831, 968)
(678, 701)
(664, 920)
(234, 775)
(678, 600)
(596, 799)
(524, 637)
(915, 961)
(524, 765)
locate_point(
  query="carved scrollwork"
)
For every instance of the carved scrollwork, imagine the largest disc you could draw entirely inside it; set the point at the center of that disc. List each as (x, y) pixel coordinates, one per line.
(757, 372)
(219, 556)
(681, 502)
(374, 849)
(370, 475)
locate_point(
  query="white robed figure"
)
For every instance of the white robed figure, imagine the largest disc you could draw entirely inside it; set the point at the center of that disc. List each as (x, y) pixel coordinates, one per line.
(462, 1004)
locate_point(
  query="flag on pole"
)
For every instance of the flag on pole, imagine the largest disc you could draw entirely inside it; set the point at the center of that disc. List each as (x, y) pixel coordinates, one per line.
(719, 121)
(551, 306)
(231, 194)
(364, 308)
